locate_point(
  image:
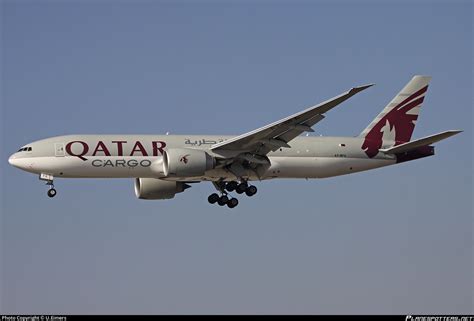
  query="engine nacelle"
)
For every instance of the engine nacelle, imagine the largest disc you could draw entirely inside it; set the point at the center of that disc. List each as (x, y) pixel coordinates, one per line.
(186, 162)
(157, 189)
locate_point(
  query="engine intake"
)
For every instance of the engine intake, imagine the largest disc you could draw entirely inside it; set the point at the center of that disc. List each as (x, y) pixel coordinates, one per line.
(157, 189)
(186, 162)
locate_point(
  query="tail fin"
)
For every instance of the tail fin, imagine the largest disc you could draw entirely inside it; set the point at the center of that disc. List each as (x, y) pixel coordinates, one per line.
(395, 124)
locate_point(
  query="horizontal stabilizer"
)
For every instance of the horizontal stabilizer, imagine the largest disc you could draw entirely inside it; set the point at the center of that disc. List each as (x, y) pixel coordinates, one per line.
(419, 142)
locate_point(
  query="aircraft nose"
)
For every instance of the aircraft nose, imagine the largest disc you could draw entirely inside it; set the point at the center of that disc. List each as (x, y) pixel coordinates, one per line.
(21, 162)
(13, 160)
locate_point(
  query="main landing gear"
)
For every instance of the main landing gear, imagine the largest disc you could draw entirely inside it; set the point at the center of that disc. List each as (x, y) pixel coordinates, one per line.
(223, 200)
(224, 188)
(49, 181)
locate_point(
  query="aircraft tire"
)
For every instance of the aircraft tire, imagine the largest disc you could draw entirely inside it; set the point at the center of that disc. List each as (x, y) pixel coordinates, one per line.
(231, 186)
(233, 202)
(213, 198)
(241, 188)
(251, 190)
(52, 192)
(223, 200)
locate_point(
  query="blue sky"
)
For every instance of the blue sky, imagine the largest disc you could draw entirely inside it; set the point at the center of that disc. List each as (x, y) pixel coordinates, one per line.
(393, 240)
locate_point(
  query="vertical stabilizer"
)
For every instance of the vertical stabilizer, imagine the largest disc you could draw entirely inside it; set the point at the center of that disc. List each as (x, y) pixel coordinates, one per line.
(395, 124)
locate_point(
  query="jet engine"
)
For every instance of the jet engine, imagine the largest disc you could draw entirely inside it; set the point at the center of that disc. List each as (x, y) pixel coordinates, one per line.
(186, 162)
(157, 189)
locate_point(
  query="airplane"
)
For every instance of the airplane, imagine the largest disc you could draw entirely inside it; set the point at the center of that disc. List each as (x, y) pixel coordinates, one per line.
(165, 165)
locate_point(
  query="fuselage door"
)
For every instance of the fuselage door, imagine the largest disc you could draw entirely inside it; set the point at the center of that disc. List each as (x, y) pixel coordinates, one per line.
(59, 150)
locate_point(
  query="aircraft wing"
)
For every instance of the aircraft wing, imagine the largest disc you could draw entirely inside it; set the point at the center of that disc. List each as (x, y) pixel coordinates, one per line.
(277, 135)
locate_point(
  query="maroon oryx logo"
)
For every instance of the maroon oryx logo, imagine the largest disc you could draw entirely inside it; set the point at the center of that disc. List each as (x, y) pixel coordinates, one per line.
(400, 118)
(184, 159)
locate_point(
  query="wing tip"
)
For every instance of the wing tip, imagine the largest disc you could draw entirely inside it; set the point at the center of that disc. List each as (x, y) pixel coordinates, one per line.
(360, 88)
(454, 131)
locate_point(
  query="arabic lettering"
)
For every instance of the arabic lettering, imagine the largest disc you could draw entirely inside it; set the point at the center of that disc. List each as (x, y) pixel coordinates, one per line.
(200, 142)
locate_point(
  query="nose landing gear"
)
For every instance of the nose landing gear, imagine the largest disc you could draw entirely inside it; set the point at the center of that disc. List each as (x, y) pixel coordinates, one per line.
(51, 192)
(49, 181)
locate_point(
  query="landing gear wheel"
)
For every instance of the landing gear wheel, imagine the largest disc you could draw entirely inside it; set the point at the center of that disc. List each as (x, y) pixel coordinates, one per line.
(251, 190)
(241, 188)
(233, 202)
(51, 192)
(213, 198)
(231, 186)
(223, 200)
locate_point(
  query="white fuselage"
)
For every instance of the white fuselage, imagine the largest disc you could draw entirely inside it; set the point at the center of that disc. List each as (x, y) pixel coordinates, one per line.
(120, 156)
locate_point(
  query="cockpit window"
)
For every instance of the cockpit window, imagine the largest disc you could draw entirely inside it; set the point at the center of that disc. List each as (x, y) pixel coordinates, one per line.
(29, 149)
(24, 149)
